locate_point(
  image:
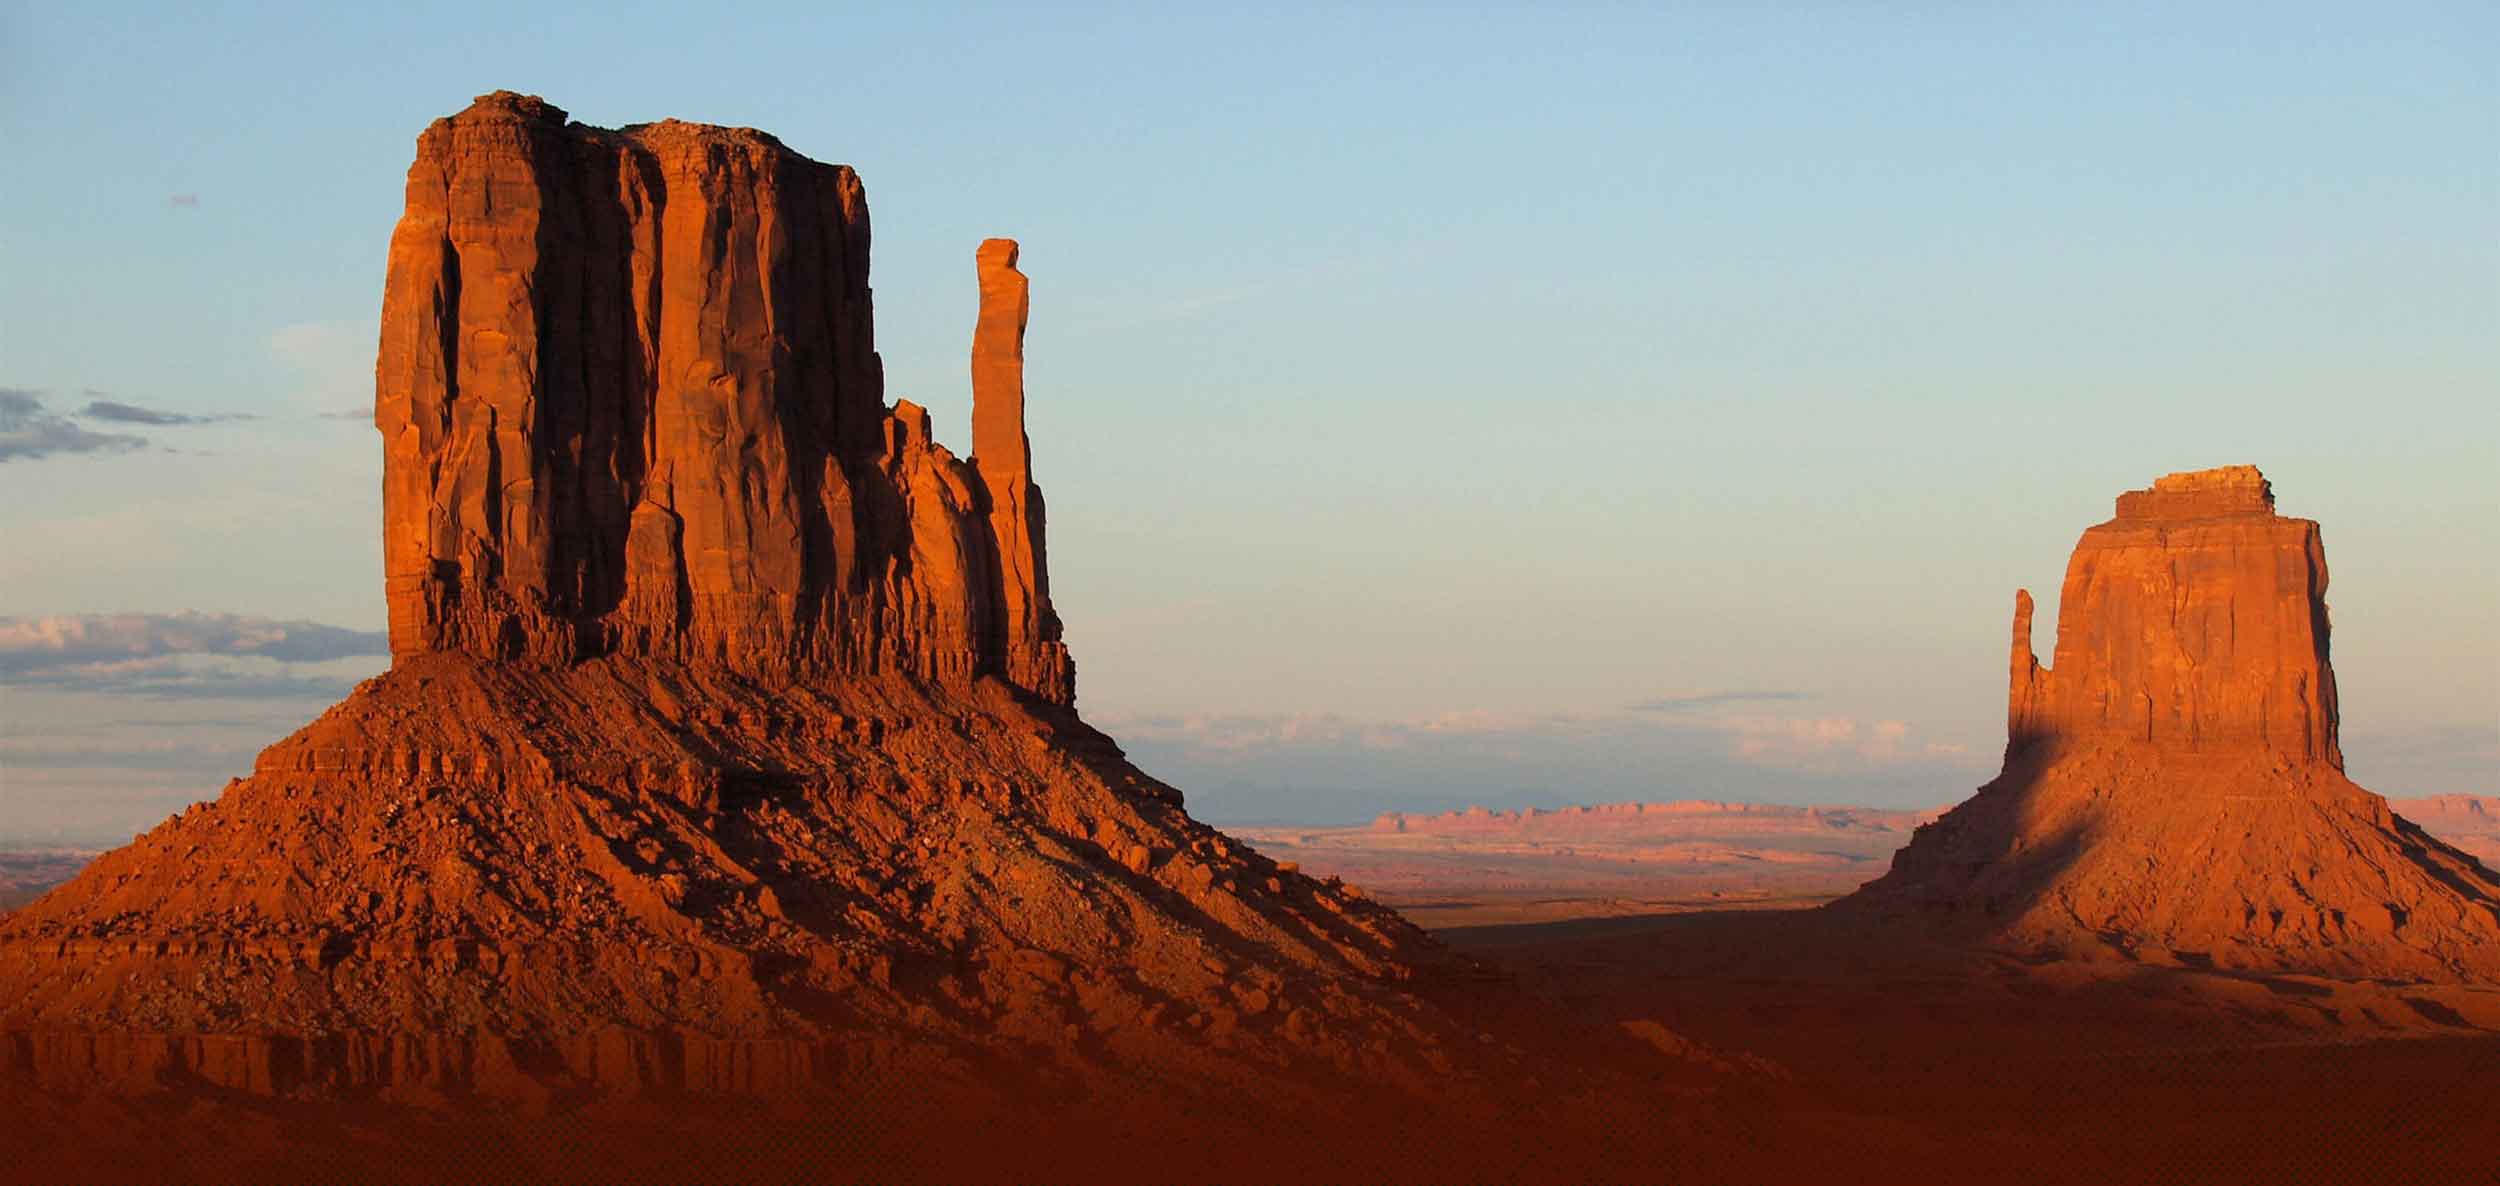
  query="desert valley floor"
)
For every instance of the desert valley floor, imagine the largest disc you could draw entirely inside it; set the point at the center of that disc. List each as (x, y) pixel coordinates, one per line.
(1692, 926)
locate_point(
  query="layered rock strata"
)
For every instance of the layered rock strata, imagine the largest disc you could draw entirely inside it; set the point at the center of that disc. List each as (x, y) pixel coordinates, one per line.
(631, 403)
(2173, 786)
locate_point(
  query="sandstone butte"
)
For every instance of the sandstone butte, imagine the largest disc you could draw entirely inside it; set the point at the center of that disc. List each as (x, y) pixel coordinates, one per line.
(2173, 789)
(631, 404)
(728, 742)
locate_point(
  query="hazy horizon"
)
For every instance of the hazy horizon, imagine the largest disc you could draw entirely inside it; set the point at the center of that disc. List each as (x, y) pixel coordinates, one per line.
(1524, 410)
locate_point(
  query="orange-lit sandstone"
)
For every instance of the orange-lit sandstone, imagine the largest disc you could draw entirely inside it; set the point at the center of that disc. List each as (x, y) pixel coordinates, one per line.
(1027, 636)
(2173, 786)
(728, 740)
(631, 404)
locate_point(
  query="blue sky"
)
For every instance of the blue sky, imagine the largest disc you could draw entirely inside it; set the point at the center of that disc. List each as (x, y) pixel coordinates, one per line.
(1417, 390)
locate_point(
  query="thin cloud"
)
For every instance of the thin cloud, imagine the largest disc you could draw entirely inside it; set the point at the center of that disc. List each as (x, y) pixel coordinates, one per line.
(1713, 700)
(29, 432)
(183, 655)
(1321, 767)
(122, 413)
(30, 644)
(183, 201)
(189, 677)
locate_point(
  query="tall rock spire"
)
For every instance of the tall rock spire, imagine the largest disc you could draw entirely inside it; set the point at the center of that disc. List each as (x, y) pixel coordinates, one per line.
(2023, 724)
(1027, 633)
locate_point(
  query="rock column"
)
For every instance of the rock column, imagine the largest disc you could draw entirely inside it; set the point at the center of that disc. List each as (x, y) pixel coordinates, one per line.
(1026, 634)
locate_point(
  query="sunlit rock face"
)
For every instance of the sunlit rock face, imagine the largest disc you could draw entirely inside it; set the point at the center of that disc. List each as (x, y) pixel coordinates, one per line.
(631, 403)
(2173, 787)
(2193, 621)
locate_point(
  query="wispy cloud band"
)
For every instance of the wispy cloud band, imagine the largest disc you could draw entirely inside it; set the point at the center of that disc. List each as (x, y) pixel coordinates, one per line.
(1703, 700)
(118, 412)
(186, 654)
(28, 431)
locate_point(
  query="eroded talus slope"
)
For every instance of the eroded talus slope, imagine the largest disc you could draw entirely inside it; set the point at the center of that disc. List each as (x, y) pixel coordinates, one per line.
(468, 849)
(2173, 786)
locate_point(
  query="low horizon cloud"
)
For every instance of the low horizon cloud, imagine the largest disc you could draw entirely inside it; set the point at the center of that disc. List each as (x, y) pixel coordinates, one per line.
(183, 655)
(29, 431)
(125, 413)
(1711, 700)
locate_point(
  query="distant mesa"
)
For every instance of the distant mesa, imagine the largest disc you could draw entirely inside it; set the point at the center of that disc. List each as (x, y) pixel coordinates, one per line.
(2470, 822)
(2173, 787)
(1679, 816)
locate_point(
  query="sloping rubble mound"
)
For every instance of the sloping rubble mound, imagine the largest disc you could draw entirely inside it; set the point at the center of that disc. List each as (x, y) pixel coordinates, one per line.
(467, 869)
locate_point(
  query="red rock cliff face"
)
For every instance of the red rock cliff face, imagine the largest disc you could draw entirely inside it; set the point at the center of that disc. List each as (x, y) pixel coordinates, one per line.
(631, 404)
(2195, 620)
(2173, 789)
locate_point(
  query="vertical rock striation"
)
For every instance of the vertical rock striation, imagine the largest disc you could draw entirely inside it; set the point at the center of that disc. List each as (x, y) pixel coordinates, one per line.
(631, 403)
(2195, 620)
(2173, 785)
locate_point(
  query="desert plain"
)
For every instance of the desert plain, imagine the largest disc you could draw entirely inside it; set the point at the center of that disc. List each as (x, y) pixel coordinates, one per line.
(1821, 1057)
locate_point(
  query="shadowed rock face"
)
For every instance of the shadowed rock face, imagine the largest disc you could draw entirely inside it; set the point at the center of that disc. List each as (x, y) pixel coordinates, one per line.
(2173, 787)
(631, 403)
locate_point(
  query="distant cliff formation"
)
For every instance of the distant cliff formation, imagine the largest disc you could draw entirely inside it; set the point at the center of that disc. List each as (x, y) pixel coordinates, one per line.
(1676, 817)
(2470, 822)
(631, 403)
(2173, 786)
